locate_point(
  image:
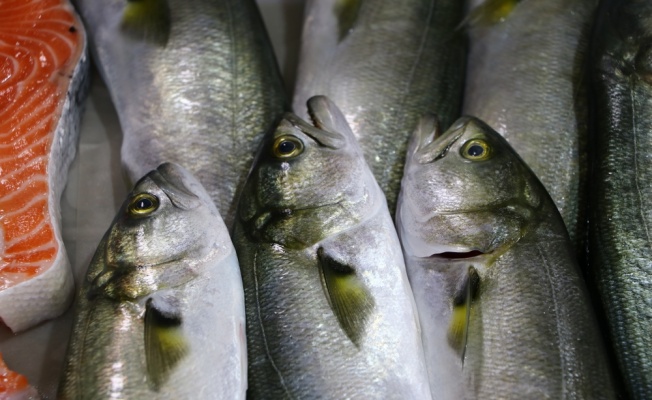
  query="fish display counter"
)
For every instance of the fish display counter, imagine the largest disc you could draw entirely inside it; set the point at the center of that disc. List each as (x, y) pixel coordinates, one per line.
(94, 192)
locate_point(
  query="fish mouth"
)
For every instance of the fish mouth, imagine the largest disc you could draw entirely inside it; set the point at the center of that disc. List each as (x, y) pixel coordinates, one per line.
(457, 255)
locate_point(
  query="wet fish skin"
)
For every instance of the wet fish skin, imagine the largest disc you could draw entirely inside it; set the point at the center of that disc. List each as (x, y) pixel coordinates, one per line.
(202, 97)
(504, 311)
(529, 81)
(619, 242)
(384, 66)
(329, 309)
(161, 312)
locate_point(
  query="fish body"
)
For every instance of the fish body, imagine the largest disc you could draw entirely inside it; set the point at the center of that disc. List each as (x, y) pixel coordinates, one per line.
(160, 314)
(384, 63)
(43, 82)
(504, 310)
(527, 77)
(329, 309)
(193, 82)
(620, 246)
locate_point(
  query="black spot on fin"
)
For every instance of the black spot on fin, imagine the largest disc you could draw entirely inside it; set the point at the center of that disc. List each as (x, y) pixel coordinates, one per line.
(346, 12)
(147, 20)
(350, 300)
(165, 344)
(458, 331)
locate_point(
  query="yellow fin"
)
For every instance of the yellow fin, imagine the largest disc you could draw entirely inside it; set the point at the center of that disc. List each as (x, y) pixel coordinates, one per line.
(165, 344)
(490, 12)
(347, 13)
(147, 20)
(458, 330)
(351, 301)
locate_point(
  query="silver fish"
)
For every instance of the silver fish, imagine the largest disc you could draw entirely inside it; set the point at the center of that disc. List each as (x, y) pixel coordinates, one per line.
(193, 81)
(504, 310)
(620, 245)
(527, 77)
(384, 63)
(161, 312)
(329, 310)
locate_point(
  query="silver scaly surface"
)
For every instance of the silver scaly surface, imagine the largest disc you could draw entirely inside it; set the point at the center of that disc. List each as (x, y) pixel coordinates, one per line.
(203, 98)
(384, 63)
(527, 78)
(504, 310)
(620, 245)
(329, 310)
(160, 314)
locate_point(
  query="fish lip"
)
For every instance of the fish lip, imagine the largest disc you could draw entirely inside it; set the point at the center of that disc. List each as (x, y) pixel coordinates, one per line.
(441, 144)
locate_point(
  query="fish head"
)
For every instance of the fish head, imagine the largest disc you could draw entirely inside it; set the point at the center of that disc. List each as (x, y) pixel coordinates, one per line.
(464, 191)
(308, 180)
(167, 217)
(624, 43)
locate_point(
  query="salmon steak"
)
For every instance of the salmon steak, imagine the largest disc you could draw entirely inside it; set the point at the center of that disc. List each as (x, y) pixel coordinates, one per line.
(14, 386)
(43, 82)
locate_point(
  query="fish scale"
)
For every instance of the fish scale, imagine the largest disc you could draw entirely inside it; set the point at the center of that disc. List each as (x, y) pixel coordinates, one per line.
(529, 81)
(203, 99)
(523, 327)
(620, 243)
(396, 62)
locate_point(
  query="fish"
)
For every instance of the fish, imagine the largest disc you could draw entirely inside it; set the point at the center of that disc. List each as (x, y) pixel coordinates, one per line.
(527, 77)
(14, 386)
(330, 313)
(160, 313)
(504, 310)
(620, 247)
(43, 84)
(384, 63)
(193, 81)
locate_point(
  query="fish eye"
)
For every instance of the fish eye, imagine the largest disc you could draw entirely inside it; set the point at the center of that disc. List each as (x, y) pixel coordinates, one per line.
(287, 147)
(143, 204)
(476, 150)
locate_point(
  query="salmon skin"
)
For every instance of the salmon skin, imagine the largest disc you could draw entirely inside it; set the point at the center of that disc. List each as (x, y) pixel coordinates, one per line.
(43, 82)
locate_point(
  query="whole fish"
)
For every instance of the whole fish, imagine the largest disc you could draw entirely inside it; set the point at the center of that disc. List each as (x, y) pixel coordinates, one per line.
(161, 312)
(504, 311)
(329, 310)
(193, 81)
(384, 63)
(527, 77)
(620, 245)
(43, 84)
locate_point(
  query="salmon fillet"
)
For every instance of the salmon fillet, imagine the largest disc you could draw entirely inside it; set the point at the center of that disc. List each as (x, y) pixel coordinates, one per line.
(43, 71)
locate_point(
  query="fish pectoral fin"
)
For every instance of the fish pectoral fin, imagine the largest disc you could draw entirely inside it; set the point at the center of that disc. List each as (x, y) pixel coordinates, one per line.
(165, 344)
(489, 13)
(350, 300)
(458, 330)
(346, 12)
(147, 20)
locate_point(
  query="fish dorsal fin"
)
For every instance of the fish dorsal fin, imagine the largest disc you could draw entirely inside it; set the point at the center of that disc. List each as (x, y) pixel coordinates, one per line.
(165, 344)
(350, 300)
(458, 331)
(147, 20)
(489, 13)
(346, 12)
